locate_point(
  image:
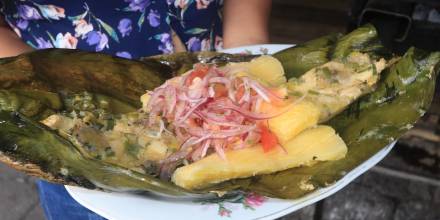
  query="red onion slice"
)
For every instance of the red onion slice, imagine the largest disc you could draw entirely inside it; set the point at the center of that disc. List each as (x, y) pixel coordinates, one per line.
(202, 120)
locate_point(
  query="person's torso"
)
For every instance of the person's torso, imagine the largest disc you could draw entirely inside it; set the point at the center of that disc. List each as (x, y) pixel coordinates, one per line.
(127, 28)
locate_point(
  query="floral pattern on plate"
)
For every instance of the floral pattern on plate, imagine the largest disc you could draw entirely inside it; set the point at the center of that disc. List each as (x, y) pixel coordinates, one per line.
(248, 201)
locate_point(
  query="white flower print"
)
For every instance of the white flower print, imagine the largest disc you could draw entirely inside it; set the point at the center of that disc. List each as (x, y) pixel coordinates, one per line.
(65, 41)
(180, 3)
(52, 12)
(82, 28)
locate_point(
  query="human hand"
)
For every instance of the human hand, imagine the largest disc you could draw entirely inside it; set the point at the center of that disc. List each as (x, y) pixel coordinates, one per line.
(245, 22)
(10, 43)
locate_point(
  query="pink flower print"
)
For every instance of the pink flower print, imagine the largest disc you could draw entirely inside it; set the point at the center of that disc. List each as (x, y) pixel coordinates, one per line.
(52, 12)
(224, 212)
(65, 41)
(82, 28)
(254, 200)
(203, 4)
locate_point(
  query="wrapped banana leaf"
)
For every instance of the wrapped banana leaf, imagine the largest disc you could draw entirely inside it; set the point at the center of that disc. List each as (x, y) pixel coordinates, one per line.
(38, 85)
(297, 60)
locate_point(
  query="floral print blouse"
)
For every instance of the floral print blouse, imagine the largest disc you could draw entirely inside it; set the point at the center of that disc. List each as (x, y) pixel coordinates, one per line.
(125, 28)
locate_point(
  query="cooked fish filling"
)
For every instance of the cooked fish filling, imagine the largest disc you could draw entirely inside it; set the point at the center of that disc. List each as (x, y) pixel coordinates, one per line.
(218, 123)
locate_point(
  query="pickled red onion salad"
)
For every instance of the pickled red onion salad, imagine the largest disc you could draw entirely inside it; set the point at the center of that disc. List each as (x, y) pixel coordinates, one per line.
(212, 109)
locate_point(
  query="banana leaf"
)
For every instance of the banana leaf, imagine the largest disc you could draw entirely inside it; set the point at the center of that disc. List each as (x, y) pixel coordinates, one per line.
(301, 58)
(179, 63)
(34, 85)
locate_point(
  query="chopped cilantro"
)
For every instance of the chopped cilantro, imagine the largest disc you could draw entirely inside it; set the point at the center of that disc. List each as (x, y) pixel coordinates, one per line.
(132, 148)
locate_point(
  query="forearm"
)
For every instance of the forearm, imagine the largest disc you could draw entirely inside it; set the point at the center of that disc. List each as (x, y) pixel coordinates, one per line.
(245, 22)
(10, 43)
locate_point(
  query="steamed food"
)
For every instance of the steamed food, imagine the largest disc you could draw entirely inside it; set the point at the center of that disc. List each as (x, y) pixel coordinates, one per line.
(320, 143)
(189, 124)
(216, 123)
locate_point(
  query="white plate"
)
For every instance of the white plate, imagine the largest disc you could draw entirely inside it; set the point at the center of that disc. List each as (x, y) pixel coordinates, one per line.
(120, 206)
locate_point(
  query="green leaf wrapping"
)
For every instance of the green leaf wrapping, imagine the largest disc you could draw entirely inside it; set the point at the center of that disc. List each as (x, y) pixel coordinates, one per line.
(301, 58)
(37, 84)
(297, 60)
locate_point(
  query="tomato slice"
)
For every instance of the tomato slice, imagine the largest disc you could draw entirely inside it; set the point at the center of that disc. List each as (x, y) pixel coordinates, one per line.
(200, 71)
(240, 93)
(220, 90)
(268, 139)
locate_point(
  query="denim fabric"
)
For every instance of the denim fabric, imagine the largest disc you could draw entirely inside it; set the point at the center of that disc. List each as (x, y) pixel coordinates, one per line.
(59, 205)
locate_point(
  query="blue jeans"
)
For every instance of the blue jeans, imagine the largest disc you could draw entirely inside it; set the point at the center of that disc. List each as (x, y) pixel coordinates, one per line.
(59, 205)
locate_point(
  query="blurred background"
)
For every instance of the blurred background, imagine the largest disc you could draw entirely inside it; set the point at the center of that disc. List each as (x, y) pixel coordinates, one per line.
(405, 185)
